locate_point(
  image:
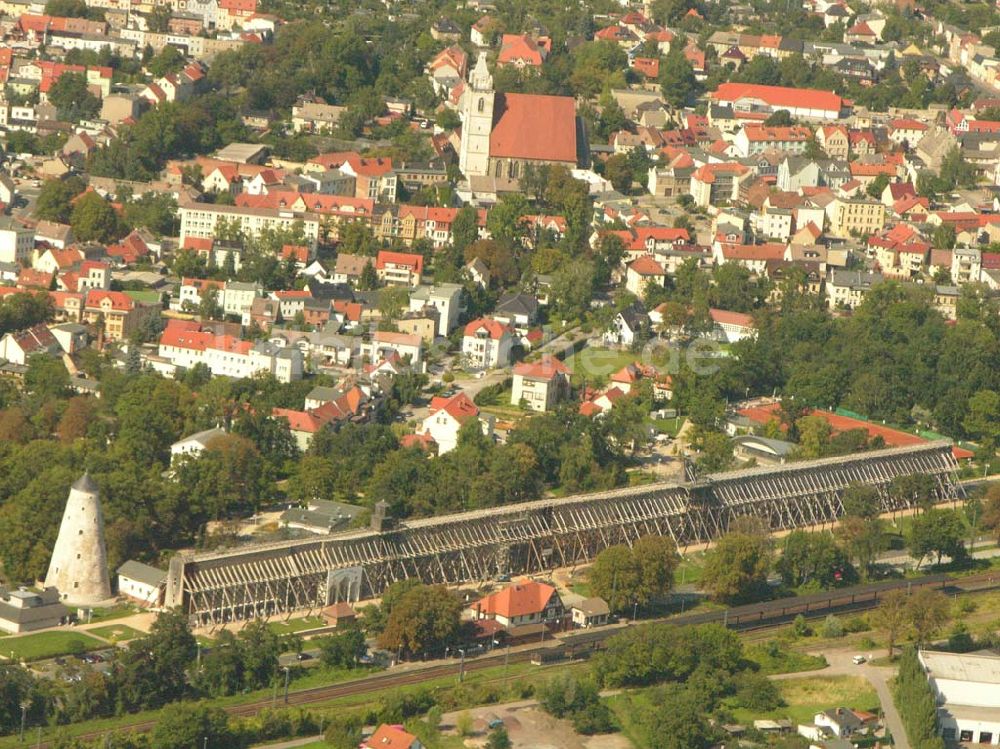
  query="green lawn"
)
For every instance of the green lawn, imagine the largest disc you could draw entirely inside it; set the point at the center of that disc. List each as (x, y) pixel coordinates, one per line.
(598, 364)
(809, 695)
(49, 644)
(116, 632)
(297, 625)
(112, 612)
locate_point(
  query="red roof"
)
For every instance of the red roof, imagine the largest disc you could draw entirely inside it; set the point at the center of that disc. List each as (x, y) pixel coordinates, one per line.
(648, 66)
(459, 406)
(390, 737)
(545, 369)
(400, 259)
(771, 251)
(530, 126)
(521, 48)
(646, 266)
(725, 317)
(891, 437)
(517, 600)
(299, 252)
(780, 96)
(494, 329)
(119, 300)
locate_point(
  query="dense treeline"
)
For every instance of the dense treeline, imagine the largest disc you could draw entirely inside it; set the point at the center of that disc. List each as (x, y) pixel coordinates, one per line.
(916, 703)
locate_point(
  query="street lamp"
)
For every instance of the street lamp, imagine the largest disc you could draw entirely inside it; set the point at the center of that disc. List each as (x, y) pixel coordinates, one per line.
(204, 743)
(461, 665)
(287, 673)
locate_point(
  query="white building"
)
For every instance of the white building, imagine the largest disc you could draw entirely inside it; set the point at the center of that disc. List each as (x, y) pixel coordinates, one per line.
(185, 344)
(444, 297)
(385, 343)
(540, 385)
(16, 241)
(199, 220)
(967, 687)
(195, 444)
(487, 343)
(143, 584)
(448, 416)
(238, 296)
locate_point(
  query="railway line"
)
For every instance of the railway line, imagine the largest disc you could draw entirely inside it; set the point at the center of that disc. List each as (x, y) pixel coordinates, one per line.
(580, 644)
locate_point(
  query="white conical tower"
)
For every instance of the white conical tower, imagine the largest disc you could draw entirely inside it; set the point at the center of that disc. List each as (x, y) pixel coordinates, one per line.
(79, 566)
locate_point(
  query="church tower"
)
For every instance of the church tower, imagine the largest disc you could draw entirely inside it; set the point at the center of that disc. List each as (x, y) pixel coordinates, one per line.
(477, 121)
(79, 566)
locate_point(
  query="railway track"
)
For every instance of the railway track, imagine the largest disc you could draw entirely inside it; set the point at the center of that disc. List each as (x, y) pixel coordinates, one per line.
(752, 617)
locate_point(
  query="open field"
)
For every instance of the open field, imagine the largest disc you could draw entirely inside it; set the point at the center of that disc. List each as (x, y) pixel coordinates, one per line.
(49, 645)
(116, 632)
(809, 695)
(297, 625)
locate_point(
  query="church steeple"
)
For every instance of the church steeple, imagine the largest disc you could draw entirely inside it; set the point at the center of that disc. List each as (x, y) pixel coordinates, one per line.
(481, 80)
(477, 121)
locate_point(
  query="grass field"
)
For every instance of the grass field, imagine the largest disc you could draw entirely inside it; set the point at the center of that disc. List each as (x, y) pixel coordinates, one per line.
(807, 696)
(49, 645)
(116, 632)
(112, 612)
(297, 625)
(598, 364)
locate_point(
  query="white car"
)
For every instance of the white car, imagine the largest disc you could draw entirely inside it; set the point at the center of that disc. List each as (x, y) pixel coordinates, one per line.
(858, 660)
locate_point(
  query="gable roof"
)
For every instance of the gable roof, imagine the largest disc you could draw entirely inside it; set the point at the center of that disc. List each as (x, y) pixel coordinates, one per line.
(531, 126)
(520, 599)
(459, 406)
(547, 368)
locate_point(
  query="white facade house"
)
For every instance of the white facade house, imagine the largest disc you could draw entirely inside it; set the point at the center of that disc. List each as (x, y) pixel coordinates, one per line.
(195, 444)
(385, 343)
(16, 242)
(448, 416)
(444, 297)
(238, 296)
(487, 343)
(186, 344)
(143, 584)
(967, 688)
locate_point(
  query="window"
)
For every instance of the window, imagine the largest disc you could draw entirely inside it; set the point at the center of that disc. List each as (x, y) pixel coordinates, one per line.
(965, 736)
(985, 737)
(481, 105)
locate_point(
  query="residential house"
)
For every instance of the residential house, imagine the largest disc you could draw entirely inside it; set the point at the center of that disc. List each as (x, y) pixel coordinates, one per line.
(447, 417)
(383, 343)
(753, 139)
(446, 298)
(391, 737)
(118, 312)
(517, 309)
(195, 444)
(18, 347)
(590, 612)
(846, 289)
(521, 604)
(487, 343)
(399, 268)
(855, 217)
(541, 384)
(643, 272)
(522, 51)
(16, 241)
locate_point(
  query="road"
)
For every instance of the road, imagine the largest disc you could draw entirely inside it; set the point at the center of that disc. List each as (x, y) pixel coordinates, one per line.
(840, 664)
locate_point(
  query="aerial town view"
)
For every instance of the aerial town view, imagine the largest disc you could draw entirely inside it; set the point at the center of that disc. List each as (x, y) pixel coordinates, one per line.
(500, 374)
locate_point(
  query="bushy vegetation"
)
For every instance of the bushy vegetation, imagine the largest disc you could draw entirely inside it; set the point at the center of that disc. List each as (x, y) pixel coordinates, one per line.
(916, 703)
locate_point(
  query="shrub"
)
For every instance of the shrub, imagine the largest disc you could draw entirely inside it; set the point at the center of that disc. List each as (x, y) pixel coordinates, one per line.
(801, 627)
(857, 624)
(448, 377)
(832, 627)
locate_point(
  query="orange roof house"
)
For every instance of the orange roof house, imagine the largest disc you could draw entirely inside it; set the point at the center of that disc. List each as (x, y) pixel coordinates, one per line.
(521, 603)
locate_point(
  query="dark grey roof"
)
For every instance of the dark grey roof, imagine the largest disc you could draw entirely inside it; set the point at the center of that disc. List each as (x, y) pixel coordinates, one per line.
(85, 484)
(142, 573)
(40, 607)
(518, 304)
(322, 515)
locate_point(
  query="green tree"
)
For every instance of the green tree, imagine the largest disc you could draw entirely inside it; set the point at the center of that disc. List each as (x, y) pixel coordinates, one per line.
(677, 78)
(55, 199)
(618, 171)
(425, 620)
(343, 649)
(736, 569)
(72, 99)
(167, 60)
(892, 615)
(498, 739)
(877, 186)
(928, 611)
(46, 378)
(935, 531)
(369, 277)
(183, 725)
(982, 420)
(95, 219)
(616, 577)
(344, 732)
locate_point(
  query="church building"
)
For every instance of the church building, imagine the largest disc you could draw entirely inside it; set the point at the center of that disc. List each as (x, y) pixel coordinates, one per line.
(502, 133)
